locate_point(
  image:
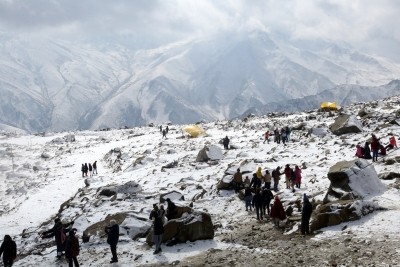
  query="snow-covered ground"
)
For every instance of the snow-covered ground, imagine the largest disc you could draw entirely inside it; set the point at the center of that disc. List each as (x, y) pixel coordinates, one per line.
(47, 172)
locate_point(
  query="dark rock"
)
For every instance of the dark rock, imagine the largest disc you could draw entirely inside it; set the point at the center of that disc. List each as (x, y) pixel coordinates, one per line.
(389, 175)
(190, 227)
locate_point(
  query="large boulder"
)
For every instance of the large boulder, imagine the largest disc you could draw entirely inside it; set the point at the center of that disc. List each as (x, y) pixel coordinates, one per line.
(353, 184)
(211, 152)
(173, 196)
(356, 179)
(225, 182)
(127, 188)
(130, 225)
(190, 227)
(345, 124)
(337, 212)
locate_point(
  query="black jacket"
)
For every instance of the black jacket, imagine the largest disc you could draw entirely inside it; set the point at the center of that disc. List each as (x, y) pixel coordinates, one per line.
(59, 231)
(257, 200)
(9, 250)
(113, 234)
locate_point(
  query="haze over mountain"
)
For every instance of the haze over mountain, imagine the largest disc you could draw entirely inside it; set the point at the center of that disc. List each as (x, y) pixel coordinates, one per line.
(48, 84)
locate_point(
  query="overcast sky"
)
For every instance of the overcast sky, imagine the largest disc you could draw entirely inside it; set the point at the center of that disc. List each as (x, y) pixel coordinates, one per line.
(366, 24)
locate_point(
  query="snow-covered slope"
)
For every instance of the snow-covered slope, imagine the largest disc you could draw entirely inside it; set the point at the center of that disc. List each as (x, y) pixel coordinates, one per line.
(57, 85)
(46, 173)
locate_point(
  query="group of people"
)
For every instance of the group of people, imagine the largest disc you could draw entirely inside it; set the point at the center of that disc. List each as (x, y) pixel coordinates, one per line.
(70, 244)
(160, 216)
(376, 147)
(91, 168)
(260, 185)
(164, 131)
(280, 135)
(292, 179)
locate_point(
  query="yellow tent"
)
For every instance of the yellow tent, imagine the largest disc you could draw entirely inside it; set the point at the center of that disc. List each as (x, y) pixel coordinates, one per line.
(328, 105)
(193, 130)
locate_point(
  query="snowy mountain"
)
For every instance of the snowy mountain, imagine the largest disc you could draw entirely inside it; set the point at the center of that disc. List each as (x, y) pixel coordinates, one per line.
(53, 85)
(41, 180)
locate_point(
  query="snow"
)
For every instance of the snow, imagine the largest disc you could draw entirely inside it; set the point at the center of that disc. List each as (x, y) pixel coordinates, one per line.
(31, 199)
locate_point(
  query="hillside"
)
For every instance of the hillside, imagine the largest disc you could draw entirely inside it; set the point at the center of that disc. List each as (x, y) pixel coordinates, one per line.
(46, 181)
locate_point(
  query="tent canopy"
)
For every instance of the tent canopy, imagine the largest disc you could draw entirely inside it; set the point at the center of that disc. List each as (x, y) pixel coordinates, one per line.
(328, 105)
(193, 130)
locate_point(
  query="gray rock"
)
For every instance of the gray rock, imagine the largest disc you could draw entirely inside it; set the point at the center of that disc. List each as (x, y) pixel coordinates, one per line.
(345, 124)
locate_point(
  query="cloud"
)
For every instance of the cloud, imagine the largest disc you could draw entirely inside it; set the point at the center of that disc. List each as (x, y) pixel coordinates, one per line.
(370, 24)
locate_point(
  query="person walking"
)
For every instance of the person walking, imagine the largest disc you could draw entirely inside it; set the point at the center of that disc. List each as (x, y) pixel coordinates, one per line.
(257, 203)
(86, 169)
(225, 142)
(297, 173)
(112, 232)
(305, 216)
(288, 173)
(266, 137)
(267, 197)
(90, 170)
(95, 167)
(72, 249)
(248, 197)
(83, 170)
(9, 251)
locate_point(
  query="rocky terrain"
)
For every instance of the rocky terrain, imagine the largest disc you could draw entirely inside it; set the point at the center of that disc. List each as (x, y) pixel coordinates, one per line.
(42, 179)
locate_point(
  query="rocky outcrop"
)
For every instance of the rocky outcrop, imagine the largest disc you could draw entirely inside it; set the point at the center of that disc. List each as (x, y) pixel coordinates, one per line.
(211, 152)
(389, 175)
(190, 227)
(355, 179)
(173, 196)
(345, 124)
(127, 188)
(130, 225)
(353, 183)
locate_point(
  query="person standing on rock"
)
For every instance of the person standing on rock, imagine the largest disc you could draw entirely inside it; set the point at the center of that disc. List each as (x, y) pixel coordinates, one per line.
(277, 211)
(164, 134)
(305, 216)
(171, 209)
(9, 251)
(257, 203)
(158, 228)
(95, 167)
(112, 232)
(154, 212)
(72, 249)
(237, 181)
